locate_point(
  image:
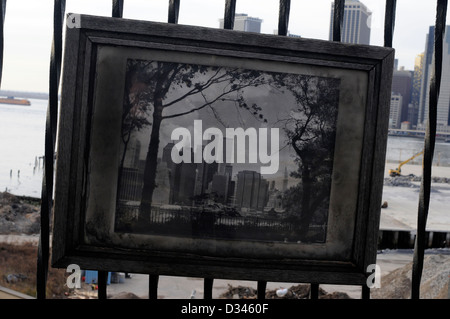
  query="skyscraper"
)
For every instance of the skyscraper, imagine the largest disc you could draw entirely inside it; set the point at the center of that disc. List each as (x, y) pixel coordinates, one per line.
(443, 108)
(251, 191)
(402, 85)
(413, 111)
(242, 22)
(395, 110)
(356, 25)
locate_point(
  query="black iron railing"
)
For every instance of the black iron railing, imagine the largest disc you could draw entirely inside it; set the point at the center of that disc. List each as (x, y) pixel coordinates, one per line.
(229, 13)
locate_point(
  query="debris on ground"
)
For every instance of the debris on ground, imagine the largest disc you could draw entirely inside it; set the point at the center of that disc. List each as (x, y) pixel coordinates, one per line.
(300, 291)
(18, 215)
(434, 282)
(412, 180)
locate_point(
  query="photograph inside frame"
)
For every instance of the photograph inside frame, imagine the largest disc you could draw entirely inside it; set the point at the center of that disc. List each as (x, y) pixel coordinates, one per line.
(225, 153)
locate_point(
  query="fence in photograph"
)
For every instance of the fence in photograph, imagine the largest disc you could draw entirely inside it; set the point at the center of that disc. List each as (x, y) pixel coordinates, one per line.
(197, 222)
(229, 14)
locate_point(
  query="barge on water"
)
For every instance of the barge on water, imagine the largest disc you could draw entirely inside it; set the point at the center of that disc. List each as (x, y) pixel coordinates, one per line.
(12, 100)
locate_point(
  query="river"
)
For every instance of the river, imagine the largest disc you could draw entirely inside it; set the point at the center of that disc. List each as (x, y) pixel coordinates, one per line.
(22, 133)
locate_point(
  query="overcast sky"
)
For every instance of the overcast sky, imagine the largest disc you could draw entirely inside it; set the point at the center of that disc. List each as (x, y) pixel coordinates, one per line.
(28, 27)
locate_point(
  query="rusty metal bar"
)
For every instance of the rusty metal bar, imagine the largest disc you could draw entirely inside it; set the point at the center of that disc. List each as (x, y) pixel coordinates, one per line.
(338, 19)
(430, 139)
(50, 139)
(261, 288)
(208, 288)
(283, 17)
(230, 10)
(389, 22)
(174, 9)
(117, 8)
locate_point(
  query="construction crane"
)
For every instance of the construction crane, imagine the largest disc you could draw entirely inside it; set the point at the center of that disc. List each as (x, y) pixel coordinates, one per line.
(397, 171)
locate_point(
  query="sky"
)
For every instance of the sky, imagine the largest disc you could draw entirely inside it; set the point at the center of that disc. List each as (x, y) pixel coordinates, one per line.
(28, 27)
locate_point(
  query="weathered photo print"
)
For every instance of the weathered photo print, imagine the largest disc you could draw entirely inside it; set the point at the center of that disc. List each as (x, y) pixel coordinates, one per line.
(225, 153)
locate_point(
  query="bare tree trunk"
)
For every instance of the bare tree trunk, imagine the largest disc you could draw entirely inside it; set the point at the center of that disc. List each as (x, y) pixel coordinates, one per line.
(151, 164)
(122, 161)
(306, 213)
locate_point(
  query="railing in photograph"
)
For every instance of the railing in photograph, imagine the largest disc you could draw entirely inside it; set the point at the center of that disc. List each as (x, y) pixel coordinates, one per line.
(198, 222)
(229, 13)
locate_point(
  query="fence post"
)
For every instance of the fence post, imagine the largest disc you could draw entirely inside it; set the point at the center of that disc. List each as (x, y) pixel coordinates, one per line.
(430, 138)
(2, 16)
(283, 18)
(230, 9)
(208, 288)
(50, 139)
(338, 19)
(262, 285)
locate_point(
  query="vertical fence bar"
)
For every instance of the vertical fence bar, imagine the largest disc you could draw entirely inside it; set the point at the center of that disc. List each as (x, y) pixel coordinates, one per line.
(429, 143)
(389, 22)
(50, 139)
(208, 288)
(338, 19)
(261, 288)
(283, 17)
(2, 16)
(117, 12)
(117, 8)
(102, 284)
(174, 9)
(153, 281)
(314, 291)
(230, 10)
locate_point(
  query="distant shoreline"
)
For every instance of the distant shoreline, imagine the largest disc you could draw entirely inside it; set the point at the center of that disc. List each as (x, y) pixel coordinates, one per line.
(27, 95)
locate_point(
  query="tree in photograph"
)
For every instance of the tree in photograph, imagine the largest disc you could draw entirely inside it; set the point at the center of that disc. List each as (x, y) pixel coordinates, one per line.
(169, 86)
(310, 131)
(136, 110)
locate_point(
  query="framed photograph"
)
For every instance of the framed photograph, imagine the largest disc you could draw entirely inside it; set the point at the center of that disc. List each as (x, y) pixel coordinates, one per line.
(203, 152)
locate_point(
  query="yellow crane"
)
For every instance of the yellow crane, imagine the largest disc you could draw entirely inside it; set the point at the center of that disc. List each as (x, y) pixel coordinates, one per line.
(397, 171)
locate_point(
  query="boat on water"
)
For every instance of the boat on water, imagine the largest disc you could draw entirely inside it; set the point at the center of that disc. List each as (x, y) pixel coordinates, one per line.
(13, 100)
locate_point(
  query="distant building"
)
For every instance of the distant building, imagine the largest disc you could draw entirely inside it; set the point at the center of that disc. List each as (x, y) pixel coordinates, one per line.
(285, 180)
(443, 108)
(289, 34)
(395, 110)
(356, 24)
(413, 111)
(402, 85)
(242, 22)
(251, 191)
(220, 188)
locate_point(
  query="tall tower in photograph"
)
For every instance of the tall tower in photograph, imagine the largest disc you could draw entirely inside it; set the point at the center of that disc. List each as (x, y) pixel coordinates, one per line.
(242, 22)
(356, 25)
(285, 180)
(443, 108)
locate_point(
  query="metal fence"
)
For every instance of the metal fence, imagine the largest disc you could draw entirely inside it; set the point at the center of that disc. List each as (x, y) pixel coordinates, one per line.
(229, 13)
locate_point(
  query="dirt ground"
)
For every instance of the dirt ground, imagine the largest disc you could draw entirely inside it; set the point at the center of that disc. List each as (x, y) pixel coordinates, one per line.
(19, 225)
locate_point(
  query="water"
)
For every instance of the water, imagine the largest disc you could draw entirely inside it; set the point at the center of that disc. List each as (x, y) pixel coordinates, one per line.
(22, 133)
(400, 149)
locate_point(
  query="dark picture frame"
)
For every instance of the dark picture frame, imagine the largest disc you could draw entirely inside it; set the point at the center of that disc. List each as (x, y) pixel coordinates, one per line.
(151, 177)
